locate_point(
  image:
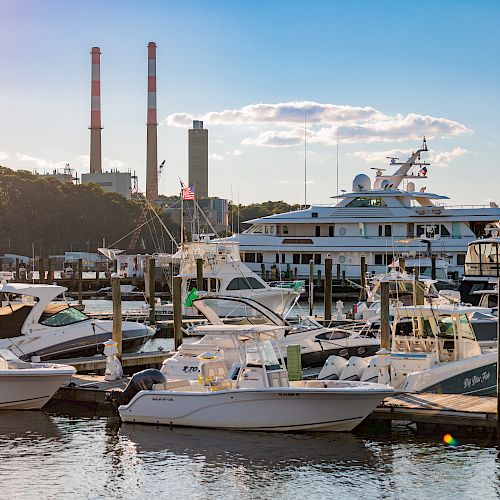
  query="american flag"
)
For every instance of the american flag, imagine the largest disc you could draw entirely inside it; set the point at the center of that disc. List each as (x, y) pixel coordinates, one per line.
(187, 193)
(422, 172)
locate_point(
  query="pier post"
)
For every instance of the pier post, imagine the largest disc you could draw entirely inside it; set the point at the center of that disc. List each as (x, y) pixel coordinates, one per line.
(50, 271)
(362, 292)
(17, 269)
(10, 268)
(41, 270)
(263, 271)
(311, 287)
(117, 314)
(1, 263)
(151, 283)
(80, 279)
(199, 274)
(134, 270)
(328, 289)
(433, 267)
(115, 265)
(338, 271)
(73, 274)
(177, 302)
(385, 332)
(97, 268)
(402, 264)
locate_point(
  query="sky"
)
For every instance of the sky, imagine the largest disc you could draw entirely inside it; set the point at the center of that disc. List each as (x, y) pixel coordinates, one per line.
(363, 79)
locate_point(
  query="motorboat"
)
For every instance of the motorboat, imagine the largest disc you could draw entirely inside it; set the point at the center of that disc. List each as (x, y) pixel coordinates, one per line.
(366, 222)
(29, 386)
(31, 324)
(258, 396)
(316, 341)
(433, 349)
(225, 274)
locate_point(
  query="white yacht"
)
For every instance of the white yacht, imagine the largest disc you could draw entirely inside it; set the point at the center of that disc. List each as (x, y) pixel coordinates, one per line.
(28, 386)
(259, 397)
(32, 325)
(366, 222)
(225, 274)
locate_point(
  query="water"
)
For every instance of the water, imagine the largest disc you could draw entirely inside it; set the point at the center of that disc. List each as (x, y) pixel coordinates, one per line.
(48, 455)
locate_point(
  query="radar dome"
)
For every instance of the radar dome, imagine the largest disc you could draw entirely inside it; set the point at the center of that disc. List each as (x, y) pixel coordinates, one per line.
(411, 187)
(385, 184)
(361, 183)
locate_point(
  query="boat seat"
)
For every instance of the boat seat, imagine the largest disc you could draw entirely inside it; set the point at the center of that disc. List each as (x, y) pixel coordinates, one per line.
(172, 384)
(213, 372)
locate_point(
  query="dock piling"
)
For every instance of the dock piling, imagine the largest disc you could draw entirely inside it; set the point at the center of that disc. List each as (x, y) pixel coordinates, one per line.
(311, 287)
(117, 314)
(362, 292)
(199, 274)
(385, 334)
(151, 282)
(328, 289)
(17, 269)
(433, 267)
(80, 280)
(177, 303)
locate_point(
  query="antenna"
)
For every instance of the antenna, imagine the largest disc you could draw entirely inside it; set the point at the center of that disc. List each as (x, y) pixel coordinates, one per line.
(305, 161)
(338, 126)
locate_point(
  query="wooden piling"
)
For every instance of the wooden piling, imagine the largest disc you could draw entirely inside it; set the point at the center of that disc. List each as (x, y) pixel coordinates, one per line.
(41, 270)
(1, 263)
(199, 274)
(97, 267)
(385, 332)
(79, 278)
(263, 271)
(328, 289)
(117, 314)
(50, 271)
(177, 303)
(18, 276)
(362, 292)
(338, 271)
(151, 267)
(311, 287)
(134, 270)
(433, 267)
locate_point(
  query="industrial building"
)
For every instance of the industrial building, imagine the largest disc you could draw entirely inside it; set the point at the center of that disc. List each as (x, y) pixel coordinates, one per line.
(114, 181)
(198, 159)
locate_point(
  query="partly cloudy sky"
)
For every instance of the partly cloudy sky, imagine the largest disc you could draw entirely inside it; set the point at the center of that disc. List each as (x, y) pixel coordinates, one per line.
(350, 78)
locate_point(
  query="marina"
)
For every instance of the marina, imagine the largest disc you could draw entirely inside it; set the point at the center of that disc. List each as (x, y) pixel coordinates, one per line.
(249, 251)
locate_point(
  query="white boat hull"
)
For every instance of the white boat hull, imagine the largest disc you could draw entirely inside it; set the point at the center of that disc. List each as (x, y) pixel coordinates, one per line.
(270, 409)
(31, 388)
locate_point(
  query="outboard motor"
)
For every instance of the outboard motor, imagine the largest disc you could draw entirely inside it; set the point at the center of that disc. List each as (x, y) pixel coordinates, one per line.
(354, 369)
(140, 381)
(333, 368)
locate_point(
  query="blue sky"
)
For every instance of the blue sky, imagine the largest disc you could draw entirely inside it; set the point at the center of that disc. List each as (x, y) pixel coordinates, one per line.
(384, 72)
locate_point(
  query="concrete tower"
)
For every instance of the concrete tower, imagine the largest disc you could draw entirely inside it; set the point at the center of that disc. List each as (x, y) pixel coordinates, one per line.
(152, 125)
(95, 113)
(198, 159)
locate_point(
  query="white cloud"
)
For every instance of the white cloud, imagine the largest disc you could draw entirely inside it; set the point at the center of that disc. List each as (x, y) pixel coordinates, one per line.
(237, 152)
(215, 156)
(4, 155)
(355, 124)
(40, 162)
(435, 158)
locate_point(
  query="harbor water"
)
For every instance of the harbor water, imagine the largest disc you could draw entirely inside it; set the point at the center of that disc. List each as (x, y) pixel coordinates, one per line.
(59, 456)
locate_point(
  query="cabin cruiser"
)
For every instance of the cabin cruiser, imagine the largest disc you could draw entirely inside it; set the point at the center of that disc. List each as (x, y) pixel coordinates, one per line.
(434, 349)
(316, 342)
(32, 325)
(365, 223)
(225, 274)
(29, 386)
(257, 396)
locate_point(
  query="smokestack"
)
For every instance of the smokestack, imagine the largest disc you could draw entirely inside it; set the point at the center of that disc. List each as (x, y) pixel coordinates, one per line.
(152, 149)
(95, 113)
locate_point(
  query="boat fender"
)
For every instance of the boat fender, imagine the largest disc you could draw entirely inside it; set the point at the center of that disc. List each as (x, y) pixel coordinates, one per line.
(140, 381)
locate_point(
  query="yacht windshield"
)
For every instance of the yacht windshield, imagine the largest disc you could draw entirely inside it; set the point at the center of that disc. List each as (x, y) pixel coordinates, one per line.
(465, 327)
(269, 358)
(65, 317)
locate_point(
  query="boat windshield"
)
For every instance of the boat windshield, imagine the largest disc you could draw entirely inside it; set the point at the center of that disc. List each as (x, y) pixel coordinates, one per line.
(446, 327)
(7, 355)
(269, 357)
(68, 316)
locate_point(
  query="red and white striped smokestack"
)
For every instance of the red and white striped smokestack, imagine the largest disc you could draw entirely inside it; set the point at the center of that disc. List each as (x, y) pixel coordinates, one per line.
(152, 124)
(95, 113)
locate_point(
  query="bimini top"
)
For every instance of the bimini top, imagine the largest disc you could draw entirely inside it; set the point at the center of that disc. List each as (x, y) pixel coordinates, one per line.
(441, 310)
(42, 292)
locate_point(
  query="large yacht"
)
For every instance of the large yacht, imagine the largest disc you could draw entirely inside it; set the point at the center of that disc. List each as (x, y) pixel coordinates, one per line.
(391, 216)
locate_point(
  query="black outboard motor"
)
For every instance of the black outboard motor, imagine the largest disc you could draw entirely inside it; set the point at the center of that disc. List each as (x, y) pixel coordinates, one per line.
(140, 381)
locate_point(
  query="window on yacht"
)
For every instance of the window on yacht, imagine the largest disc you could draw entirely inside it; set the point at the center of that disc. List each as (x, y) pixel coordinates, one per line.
(245, 283)
(277, 258)
(260, 258)
(317, 258)
(445, 327)
(330, 231)
(385, 230)
(296, 258)
(65, 317)
(257, 229)
(283, 260)
(460, 259)
(285, 229)
(364, 202)
(318, 230)
(444, 230)
(249, 257)
(306, 258)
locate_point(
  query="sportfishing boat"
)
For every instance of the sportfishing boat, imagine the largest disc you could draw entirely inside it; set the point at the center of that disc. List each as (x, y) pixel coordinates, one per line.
(316, 342)
(225, 274)
(434, 349)
(258, 396)
(32, 325)
(29, 386)
(367, 222)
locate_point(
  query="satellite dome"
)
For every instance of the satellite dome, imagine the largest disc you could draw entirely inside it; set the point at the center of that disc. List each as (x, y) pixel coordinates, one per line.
(411, 187)
(385, 184)
(361, 183)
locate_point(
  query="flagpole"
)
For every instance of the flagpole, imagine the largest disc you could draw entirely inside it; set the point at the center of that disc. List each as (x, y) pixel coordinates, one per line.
(182, 217)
